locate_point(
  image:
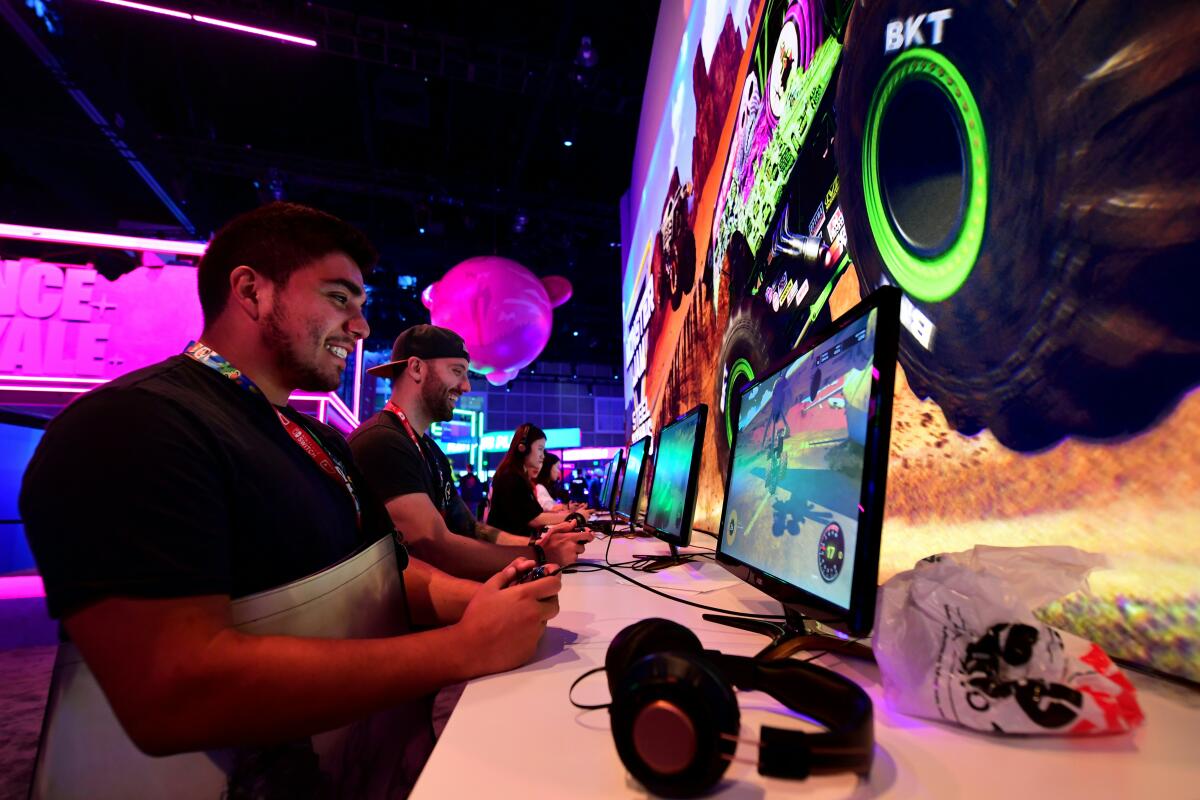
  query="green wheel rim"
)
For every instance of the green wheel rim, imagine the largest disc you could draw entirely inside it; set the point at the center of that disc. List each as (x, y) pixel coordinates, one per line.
(937, 278)
(740, 369)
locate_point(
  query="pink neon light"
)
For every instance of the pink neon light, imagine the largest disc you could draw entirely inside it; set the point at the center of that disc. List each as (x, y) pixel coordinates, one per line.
(221, 23)
(60, 390)
(589, 453)
(321, 406)
(21, 587)
(343, 409)
(152, 9)
(358, 373)
(332, 399)
(59, 236)
(47, 378)
(255, 31)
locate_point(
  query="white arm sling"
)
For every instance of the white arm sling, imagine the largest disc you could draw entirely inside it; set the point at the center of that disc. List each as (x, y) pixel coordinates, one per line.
(85, 753)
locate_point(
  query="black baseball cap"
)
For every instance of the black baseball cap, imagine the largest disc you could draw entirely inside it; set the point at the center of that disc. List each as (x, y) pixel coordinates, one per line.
(422, 341)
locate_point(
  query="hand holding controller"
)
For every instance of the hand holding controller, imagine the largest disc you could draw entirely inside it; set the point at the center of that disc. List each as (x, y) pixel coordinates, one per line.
(533, 574)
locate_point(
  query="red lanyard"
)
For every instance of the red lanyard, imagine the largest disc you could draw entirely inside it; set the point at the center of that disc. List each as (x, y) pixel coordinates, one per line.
(441, 483)
(321, 457)
(408, 428)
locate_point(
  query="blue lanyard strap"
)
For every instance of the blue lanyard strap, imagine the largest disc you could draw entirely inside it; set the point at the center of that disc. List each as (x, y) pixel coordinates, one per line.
(210, 358)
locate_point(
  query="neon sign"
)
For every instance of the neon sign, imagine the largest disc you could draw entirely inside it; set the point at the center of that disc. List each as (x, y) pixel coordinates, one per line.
(68, 321)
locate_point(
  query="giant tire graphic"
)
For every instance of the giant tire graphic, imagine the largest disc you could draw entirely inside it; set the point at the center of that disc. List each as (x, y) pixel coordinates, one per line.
(1029, 177)
(743, 358)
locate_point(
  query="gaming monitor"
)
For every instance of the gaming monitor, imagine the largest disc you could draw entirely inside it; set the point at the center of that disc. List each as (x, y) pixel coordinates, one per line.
(608, 494)
(631, 480)
(807, 469)
(676, 469)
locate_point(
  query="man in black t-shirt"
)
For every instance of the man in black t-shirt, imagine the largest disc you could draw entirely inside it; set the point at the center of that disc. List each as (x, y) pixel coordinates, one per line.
(408, 471)
(153, 501)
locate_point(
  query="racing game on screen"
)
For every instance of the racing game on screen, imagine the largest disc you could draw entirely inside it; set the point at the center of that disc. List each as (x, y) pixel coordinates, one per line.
(798, 464)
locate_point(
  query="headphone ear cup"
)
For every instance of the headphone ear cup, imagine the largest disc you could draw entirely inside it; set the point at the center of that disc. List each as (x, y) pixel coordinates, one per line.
(640, 639)
(668, 713)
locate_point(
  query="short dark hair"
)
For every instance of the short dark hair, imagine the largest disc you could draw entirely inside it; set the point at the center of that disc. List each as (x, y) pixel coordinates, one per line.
(276, 240)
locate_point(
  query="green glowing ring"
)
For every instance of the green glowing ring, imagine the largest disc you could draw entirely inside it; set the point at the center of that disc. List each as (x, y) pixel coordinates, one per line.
(741, 368)
(937, 278)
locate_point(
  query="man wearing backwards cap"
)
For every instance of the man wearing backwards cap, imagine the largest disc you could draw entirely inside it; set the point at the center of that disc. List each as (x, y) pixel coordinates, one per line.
(406, 469)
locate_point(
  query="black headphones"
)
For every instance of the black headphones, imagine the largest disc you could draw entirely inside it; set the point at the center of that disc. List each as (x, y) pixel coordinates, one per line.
(675, 717)
(523, 445)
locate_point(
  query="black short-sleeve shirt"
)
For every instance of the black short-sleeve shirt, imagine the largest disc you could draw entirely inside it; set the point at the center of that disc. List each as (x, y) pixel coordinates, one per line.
(175, 481)
(393, 467)
(514, 505)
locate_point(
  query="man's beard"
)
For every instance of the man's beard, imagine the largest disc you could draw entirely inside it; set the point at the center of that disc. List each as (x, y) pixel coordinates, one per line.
(436, 397)
(290, 361)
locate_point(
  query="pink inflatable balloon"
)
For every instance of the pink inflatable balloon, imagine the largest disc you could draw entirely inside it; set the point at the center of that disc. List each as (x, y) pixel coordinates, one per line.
(502, 310)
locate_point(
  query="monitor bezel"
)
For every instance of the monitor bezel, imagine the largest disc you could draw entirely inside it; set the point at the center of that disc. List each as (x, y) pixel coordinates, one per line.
(637, 488)
(684, 538)
(858, 619)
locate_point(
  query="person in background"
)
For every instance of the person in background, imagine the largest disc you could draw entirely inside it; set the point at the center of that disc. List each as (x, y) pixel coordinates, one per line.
(515, 506)
(577, 487)
(470, 489)
(407, 470)
(593, 487)
(547, 487)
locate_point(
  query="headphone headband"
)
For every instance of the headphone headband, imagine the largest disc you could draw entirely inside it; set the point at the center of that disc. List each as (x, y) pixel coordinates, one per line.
(836, 702)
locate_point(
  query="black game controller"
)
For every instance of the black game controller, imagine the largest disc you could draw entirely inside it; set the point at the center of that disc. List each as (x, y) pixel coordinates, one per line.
(577, 518)
(540, 571)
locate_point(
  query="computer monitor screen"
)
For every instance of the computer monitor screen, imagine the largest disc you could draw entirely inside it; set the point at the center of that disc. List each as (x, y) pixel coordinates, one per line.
(612, 471)
(676, 467)
(804, 500)
(631, 479)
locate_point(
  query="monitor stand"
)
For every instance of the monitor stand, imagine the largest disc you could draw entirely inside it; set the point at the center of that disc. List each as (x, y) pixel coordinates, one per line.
(660, 562)
(795, 633)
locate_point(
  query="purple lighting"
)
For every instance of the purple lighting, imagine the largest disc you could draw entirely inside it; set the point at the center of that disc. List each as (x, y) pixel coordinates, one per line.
(221, 23)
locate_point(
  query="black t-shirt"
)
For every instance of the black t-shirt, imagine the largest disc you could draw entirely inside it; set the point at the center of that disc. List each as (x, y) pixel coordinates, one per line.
(393, 467)
(175, 481)
(514, 505)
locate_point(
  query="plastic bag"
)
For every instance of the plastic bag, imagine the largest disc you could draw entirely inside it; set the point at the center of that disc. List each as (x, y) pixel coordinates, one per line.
(956, 640)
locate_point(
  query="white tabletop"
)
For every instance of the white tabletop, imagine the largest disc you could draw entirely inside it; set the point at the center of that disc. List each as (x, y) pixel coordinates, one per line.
(516, 735)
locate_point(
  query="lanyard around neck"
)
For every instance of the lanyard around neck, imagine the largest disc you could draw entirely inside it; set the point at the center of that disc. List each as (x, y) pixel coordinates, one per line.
(440, 482)
(297, 432)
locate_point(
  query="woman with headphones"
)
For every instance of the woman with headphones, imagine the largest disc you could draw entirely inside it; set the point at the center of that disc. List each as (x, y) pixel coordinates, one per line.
(515, 507)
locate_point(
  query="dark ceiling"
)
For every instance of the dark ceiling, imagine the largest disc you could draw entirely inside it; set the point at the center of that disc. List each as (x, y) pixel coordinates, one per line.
(439, 128)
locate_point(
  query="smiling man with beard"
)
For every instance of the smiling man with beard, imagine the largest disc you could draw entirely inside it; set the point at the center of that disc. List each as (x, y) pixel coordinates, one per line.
(410, 473)
(175, 506)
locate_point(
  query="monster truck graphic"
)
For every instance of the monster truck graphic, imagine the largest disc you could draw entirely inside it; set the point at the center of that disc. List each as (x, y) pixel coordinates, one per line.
(1023, 172)
(678, 248)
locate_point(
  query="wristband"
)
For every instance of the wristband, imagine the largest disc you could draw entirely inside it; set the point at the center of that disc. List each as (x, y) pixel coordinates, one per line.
(539, 553)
